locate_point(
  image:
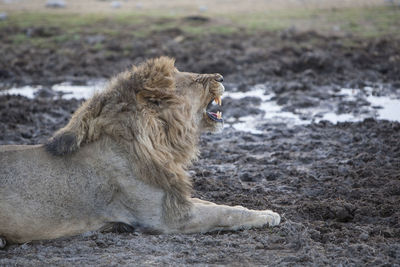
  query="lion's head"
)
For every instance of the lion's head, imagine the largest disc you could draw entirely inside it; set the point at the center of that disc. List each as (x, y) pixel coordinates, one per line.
(154, 113)
(164, 89)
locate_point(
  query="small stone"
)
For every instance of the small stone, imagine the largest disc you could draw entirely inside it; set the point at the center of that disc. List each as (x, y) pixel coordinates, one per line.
(203, 8)
(116, 4)
(2, 242)
(246, 177)
(56, 4)
(179, 38)
(364, 236)
(45, 92)
(94, 39)
(3, 16)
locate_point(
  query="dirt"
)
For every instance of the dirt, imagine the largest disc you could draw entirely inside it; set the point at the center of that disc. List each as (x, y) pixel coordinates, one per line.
(337, 186)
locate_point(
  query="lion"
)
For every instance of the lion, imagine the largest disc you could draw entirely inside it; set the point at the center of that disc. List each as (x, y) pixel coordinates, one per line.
(121, 160)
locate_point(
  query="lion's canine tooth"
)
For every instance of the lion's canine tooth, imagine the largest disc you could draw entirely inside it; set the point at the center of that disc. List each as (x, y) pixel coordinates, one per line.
(219, 114)
(218, 100)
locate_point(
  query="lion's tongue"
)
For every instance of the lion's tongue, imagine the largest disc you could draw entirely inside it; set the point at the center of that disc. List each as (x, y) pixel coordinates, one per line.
(217, 116)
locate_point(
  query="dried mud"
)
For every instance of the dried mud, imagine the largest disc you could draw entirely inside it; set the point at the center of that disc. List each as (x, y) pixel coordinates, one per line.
(337, 186)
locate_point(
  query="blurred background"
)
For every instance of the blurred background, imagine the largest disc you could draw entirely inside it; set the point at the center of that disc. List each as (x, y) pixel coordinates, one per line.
(366, 16)
(109, 29)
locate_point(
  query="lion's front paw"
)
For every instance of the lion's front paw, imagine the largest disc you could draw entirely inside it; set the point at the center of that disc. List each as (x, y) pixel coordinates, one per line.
(273, 218)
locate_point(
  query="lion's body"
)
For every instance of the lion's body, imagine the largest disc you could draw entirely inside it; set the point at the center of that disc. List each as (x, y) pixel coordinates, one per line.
(45, 197)
(121, 159)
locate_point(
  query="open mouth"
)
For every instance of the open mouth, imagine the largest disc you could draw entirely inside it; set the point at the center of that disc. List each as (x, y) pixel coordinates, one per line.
(217, 117)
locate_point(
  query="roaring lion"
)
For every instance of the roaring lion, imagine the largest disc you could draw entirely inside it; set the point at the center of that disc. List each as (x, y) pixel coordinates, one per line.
(121, 160)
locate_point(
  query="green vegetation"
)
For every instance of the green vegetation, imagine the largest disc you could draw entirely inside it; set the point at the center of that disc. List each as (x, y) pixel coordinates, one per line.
(369, 22)
(63, 27)
(364, 22)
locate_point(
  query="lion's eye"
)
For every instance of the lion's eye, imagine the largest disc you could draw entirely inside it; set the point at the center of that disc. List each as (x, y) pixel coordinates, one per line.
(202, 79)
(207, 78)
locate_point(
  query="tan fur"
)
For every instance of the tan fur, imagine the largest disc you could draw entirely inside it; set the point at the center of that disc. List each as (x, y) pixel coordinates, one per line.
(143, 129)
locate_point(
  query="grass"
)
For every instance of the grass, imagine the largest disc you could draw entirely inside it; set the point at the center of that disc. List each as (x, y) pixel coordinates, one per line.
(370, 22)
(66, 21)
(364, 22)
(272, 21)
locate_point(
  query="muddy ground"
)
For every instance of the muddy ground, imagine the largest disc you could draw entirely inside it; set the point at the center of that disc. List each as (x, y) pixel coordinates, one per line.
(337, 187)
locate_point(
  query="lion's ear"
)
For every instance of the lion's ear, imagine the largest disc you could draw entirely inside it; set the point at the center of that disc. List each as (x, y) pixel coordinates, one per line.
(68, 139)
(62, 143)
(155, 76)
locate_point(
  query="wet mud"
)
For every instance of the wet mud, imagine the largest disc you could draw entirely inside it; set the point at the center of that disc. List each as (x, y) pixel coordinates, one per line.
(337, 186)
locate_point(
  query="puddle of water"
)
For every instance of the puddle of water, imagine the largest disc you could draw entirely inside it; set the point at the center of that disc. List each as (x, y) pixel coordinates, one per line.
(27, 91)
(273, 112)
(245, 124)
(381, 107)
(335, 118)
(258, 90)
(78, 91)
(390, 108)
(63, 90)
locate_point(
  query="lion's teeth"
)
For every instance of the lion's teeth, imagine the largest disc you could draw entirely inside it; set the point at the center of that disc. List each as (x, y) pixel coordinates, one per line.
(219, 114)
(218, 100)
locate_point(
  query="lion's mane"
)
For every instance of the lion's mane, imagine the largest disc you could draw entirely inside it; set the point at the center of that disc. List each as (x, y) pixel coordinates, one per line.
(141, 112)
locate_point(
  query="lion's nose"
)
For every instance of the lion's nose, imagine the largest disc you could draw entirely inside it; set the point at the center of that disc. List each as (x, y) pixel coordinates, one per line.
(219, 78)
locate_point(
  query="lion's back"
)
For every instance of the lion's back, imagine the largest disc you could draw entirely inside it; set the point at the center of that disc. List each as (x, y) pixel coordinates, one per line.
(24, 165)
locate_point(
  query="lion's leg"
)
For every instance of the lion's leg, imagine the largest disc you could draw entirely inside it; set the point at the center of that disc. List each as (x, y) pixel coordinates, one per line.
(207, 216)
(142, 205)
(2, 242)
